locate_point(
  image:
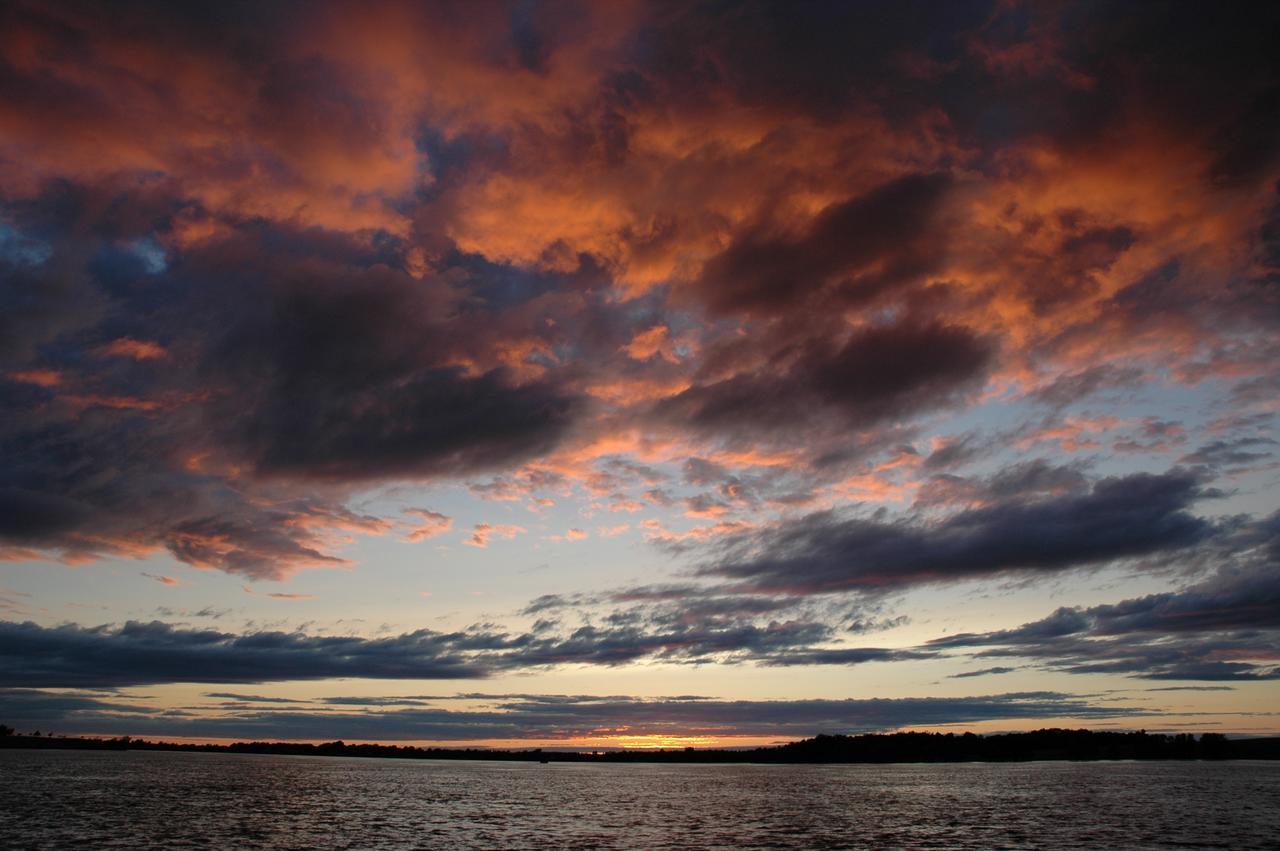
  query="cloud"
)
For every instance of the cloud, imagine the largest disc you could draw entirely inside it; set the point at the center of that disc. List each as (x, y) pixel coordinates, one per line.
(163, 580)
(876, 374)
(207, 460)
(766, 247)
(362, 356)
(113, 482)
(433, 523)
(1238, 452)
(1220, 629)
(982, 672)
(857, 247)
(150, 653)
(14, 603)
(1122, 517)
(127, 347)
(482, 532)
(138, 653)
(251, 698)
(547, 717)
(1224, 627)
(1069, 388)
(1027, 479)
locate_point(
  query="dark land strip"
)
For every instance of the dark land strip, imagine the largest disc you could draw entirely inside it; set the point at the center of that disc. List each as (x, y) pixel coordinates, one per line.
(1051, 744)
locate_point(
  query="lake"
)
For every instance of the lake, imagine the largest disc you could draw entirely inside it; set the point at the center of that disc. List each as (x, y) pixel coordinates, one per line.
(91, 799)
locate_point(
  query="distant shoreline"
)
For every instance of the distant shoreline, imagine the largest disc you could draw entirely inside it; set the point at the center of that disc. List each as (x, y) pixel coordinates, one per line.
(1039, 745)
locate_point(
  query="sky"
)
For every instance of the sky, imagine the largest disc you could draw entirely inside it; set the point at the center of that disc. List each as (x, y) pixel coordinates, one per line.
(638, 373)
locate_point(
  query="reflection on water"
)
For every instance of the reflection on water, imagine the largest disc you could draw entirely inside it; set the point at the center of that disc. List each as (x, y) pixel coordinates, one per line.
(85, 799)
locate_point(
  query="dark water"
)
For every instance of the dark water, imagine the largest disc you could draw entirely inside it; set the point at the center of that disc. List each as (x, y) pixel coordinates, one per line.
(90, 800)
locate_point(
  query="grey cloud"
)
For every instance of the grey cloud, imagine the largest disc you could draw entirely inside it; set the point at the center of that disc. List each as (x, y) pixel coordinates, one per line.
(860, 247)
(1136, 515)
(877, 374)
(299, 364)
(1225, 627)
(983, 672)
(1236, 452)
(1072, 387)
(1037, 478)
(154, 653)
(250, 698)
(149, 653)
(554, 717)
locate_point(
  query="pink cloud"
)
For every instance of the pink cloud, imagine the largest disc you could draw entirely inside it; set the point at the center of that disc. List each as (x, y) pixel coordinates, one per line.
(433, 523)
(482, 532)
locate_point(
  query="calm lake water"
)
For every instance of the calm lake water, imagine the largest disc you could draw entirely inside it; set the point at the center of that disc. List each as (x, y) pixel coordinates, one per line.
(89, 800)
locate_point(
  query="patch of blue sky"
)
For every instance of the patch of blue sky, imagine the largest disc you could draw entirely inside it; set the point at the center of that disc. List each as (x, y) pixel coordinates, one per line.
(22, 250)
(154, 259)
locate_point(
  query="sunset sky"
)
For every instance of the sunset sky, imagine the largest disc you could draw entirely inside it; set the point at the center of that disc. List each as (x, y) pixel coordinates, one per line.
(633, 373)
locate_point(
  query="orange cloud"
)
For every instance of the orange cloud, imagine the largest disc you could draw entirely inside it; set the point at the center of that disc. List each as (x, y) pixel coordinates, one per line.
(433, 523)
(38, 377)
(127, 347)
(482, 532)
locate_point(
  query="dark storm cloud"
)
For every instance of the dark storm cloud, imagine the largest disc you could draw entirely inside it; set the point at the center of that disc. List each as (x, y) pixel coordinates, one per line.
(149, 653)
(40, 301)
(113, 480)
(435, 422)
(877, 374)
(342, 372)
(1249, 142)
(858, 247)
(1072, 73)
(815, 59)
(1226, 627)
(42, 707)
(154, 653)
(549, 716)
(286, 356)
(1123, 517)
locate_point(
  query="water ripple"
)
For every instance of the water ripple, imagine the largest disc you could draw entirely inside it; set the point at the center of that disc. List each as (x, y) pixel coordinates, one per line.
(88, 800)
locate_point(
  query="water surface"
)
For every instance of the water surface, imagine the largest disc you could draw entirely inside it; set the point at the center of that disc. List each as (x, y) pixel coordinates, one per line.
(134, 799)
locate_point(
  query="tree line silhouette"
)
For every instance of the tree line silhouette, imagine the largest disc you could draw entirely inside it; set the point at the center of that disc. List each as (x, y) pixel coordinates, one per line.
(1048, 744)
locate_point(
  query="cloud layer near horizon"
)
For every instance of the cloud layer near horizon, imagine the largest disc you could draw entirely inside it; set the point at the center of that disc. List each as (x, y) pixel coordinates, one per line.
(538, 717)
(1223, 627)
